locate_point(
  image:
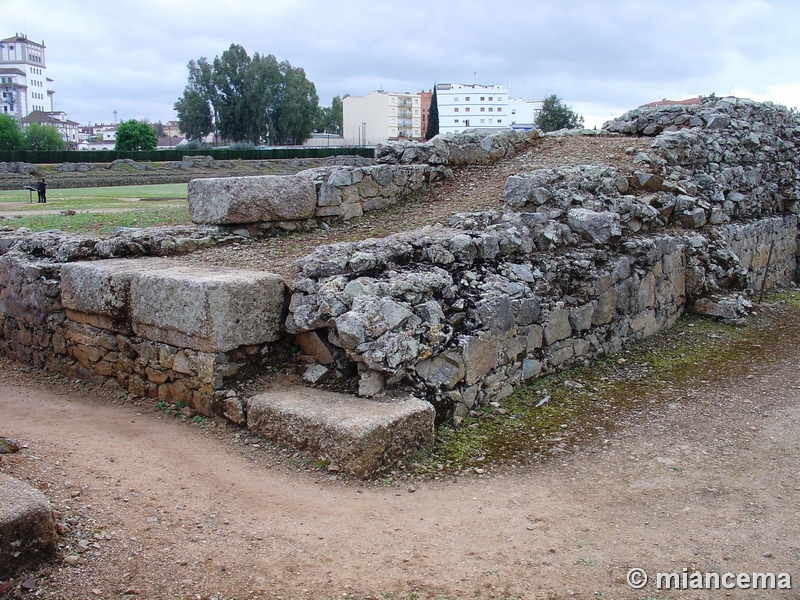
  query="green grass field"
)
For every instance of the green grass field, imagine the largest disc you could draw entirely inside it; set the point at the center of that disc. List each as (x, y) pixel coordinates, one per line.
(99, 210)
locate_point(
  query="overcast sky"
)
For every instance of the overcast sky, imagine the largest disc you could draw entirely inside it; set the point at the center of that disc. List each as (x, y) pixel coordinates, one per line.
(601, 57)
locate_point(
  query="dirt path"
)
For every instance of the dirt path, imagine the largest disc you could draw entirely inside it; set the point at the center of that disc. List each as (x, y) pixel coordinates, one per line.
(707, 480)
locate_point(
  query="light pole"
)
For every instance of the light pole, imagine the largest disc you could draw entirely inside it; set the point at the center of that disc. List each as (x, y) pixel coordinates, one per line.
(115, 116)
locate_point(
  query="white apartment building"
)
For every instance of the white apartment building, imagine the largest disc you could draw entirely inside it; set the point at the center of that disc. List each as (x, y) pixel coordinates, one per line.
(380, 116)
(523, 113)
(464, 106)
(24, 85)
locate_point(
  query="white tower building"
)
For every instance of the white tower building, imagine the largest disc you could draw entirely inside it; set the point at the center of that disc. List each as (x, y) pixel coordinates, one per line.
(24, 85)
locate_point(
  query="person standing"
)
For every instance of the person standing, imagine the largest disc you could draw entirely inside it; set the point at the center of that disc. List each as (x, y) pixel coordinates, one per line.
(42, 187)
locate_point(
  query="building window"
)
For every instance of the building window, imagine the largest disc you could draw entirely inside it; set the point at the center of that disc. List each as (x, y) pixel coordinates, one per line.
(467, 98)
(482, 98)
(455, 109)
(499, 109)
(491, 99)
(499, 120)
(491, 120)
(455, 120)
(466, 109)
(490, 109)
(456, 98)
(513, 111)
(483, 120)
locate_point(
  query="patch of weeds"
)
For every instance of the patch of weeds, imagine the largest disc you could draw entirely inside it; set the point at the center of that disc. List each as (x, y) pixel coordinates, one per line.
(387, 480)
(162, 407)
(179, 405)
(676, 469)
(587, 562)
(199, 420)
(320, 464)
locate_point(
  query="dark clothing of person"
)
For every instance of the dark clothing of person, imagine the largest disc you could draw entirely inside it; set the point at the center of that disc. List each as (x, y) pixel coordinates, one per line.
(41, 188)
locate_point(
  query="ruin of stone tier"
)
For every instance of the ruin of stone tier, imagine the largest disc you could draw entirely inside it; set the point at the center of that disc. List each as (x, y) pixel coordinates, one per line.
(583, 261)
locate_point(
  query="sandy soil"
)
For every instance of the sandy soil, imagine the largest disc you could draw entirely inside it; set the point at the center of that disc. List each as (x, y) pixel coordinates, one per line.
(703, 475)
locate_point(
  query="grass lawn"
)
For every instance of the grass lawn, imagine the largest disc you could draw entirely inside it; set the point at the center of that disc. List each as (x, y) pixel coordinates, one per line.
(99, 197)
(130, 206)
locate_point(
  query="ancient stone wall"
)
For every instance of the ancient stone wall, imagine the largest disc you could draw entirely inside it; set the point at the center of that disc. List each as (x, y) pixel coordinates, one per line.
(584, 261)
(347, 192)
(149, 327)
(325, 193)
(588, 260)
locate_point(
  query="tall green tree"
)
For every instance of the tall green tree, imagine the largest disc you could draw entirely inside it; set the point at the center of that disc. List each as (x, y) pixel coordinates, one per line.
(556, 115)
(194, 115)
(10, 135)
(230, 80)
(329, 118)
(43, 137)
(433, 117)
(135, 135)
(295, 106)
(249, 99)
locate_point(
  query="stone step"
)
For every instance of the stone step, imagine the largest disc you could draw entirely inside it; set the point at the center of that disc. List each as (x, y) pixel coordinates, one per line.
(27, 531)
(361, 437)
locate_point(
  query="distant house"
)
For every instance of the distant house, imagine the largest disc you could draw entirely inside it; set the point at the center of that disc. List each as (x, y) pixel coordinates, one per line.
(171, 129)
(58, 119)
(167, 143)
(103, 145)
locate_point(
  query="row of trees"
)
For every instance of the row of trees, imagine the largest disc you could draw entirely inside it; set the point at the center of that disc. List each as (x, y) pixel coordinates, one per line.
(255, 100)
(35, 136)
(131, 135)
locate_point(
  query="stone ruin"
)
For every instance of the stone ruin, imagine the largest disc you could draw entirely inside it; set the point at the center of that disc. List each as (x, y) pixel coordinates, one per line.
(434, 323)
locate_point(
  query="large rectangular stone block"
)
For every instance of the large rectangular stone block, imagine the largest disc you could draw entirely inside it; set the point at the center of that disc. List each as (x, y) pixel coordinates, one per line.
(231, 200)
(98, 292)
(206, 308)
(360, 436)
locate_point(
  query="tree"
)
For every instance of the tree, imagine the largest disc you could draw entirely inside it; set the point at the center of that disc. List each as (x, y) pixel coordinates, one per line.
(249, 100)
(135, 135)
(433, 117)
(194, 115)
(329, 119)
(158, 127)
(10, 135)
(230, 80)
(556, 115)
(43, 137)
(295, 105)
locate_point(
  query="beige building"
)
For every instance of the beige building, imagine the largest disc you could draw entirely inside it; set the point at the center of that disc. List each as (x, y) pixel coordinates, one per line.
(380, 116)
